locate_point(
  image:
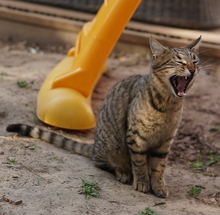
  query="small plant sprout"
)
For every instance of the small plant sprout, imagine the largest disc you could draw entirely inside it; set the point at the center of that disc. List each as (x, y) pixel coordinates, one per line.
(22, 84)
(194, 191)
(148, 211)
(212, 160)
(29, 146)
(54, 157)
(216, 128)
(32, 145)
(3, 73)
(12, 160)
(198, 165)
(37, 183)
(35, 120)
(89, 189)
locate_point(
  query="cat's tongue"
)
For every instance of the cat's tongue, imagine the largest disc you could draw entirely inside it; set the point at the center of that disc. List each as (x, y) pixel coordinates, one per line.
(181, 83)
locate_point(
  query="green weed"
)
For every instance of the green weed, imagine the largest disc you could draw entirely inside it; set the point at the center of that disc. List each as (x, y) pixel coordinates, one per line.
(54, 157)
(12, 160)
(216, 128)
(89, 189)
(35, 120)
(194, 191)
(32, 145)
(148, 211)
(28, 146)
(37, 183)
(3, 73)
(198, 165)
(213, 159)
(22, 84)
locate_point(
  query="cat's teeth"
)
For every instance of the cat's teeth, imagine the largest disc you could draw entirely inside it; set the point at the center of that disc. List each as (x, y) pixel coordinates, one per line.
(186, 77)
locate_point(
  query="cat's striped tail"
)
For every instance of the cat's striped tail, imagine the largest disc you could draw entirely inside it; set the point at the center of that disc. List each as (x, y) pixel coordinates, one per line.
(53, 138)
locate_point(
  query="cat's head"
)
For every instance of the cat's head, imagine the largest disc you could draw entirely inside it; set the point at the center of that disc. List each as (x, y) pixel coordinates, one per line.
(175, 68)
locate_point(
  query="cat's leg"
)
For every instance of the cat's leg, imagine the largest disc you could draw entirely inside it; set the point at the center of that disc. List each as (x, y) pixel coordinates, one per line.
(101, 157)
(122, 167)
(115, 161)
(158, 160)
(138, 154)
(140, 172)
(115, 165)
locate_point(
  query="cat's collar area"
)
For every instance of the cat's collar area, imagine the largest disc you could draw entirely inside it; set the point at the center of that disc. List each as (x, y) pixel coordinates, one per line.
(180, 84)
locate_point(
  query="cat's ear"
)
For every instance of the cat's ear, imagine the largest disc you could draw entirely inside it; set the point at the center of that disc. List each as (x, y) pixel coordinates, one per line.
(156, 47)
(194, 45)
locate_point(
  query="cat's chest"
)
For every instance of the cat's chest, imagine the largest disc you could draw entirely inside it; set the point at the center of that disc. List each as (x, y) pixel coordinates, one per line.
(156, 122)
(153, 131)
(154, 126)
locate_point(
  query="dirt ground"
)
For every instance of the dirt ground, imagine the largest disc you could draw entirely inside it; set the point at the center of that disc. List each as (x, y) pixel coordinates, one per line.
(47, 179)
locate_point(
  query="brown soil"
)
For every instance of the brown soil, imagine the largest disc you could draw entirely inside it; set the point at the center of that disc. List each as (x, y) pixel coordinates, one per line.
(47, 179)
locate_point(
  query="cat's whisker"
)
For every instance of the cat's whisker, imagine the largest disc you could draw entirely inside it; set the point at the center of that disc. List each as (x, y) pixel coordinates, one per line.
(212, 77)
(211, 68)
(205, 62)
(211, 64)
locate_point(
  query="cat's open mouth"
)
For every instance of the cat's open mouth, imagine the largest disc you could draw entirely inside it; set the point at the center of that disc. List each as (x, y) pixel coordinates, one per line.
(180, 83)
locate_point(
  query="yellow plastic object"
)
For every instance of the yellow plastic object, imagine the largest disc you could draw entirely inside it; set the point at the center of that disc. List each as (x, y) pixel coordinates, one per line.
(64, 99)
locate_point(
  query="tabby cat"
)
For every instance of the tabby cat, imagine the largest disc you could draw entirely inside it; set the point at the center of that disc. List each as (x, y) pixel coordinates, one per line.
(138, 120)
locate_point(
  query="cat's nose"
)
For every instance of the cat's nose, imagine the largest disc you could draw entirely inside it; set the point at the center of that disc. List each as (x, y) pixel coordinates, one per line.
(191, 70)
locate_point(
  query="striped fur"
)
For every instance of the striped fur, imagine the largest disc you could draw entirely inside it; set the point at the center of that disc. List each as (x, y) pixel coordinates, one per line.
(138, 120)
(51, 137)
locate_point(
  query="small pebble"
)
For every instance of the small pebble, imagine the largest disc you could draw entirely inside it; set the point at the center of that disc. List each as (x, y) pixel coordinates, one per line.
(36, 182)
(212, 201)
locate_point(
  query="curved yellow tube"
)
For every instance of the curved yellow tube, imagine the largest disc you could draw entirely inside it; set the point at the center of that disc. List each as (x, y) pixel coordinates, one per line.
(64, 99)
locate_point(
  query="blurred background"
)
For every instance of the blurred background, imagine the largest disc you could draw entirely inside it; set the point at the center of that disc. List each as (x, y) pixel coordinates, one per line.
(174, 22)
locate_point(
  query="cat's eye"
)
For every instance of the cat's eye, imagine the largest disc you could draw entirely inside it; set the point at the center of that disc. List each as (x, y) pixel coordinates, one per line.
(182, 63)
(195, 62)
(179, 57)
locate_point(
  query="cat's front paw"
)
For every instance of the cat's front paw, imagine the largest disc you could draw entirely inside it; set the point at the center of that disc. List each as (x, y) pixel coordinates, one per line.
(141, 186)
(161, 191)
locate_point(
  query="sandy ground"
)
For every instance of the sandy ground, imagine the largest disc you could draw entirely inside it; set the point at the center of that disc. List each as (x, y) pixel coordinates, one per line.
(47, 179)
